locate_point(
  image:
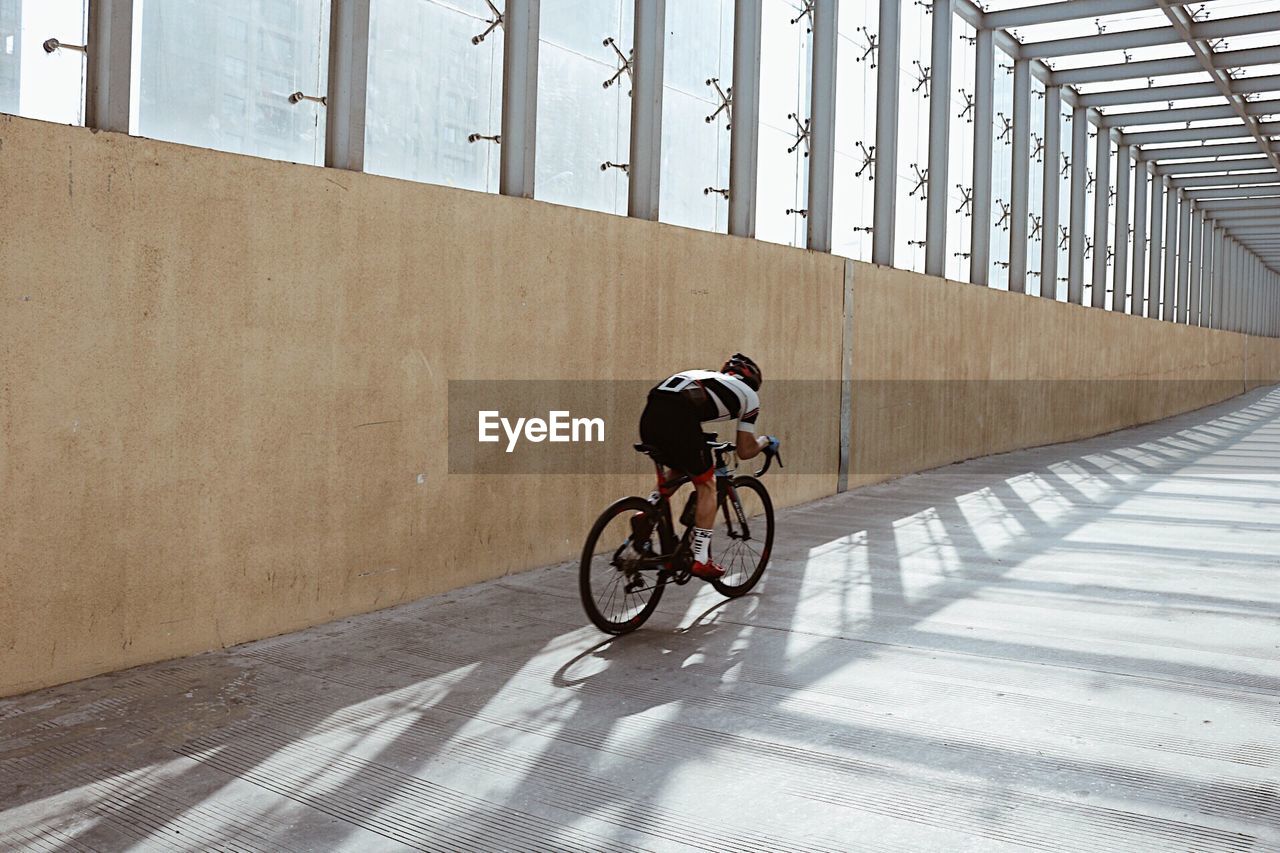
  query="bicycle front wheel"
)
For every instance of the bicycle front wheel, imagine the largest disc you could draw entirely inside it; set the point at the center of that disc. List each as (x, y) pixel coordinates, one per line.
(617, 595)
(743, 542)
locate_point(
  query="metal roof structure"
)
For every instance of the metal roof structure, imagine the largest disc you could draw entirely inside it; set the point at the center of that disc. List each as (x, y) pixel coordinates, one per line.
(1186, 97)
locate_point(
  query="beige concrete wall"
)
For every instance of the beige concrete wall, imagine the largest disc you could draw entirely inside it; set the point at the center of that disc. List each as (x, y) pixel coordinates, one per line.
(1262, 361)
(222, 377)
(223, 383)
(946, 372)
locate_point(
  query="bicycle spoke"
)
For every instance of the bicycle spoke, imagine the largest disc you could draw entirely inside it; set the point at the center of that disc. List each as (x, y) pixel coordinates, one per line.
(618, 586)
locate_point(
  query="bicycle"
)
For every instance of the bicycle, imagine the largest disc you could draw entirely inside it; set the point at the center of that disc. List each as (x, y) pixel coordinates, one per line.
(621, 584)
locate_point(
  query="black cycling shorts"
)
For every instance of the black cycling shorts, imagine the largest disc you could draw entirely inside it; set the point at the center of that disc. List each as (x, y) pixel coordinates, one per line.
(670, 423)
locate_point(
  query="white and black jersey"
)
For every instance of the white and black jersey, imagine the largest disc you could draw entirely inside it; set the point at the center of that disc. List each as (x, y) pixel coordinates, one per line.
(716, 396)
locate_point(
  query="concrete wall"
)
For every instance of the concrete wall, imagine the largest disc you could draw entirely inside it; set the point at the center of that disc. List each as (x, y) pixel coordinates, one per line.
(946, 372)
(223, 383)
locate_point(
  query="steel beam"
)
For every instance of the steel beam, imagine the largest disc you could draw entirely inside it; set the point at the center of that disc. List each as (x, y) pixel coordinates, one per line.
(822, 124)
(1231, 308)
(1207, 274)
(1246, 217)
(1216, 204)
(887, 84)
(1050, 197)
(1242, 230)
(1120, 276)
(1199, 152)
(1233, 180)
(1079, 184)
(1184, 255)
(645, 156)
(1180, 91)
(1240, 25)
(1139, 268)
(1179, 114)
(1197, 134)
(983, 116)
(1235, 192)
(1101, 199)
(1159, 67)
(347, 97)
(937, 200)
(744, 138)
(1231, 294)
(1199, 167)
(1155, 246)
(1182, 21)
(1020, 183)
(109, 66)
(1064, 10)
(1218, 282)
(519, 98)
(1196, 259)
(1170, 253)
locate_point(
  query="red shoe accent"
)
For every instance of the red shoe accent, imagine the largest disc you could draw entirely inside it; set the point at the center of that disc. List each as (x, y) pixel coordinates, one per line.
(708, 571)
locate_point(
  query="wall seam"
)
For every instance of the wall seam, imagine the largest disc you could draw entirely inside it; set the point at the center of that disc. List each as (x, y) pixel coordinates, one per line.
(846, 381)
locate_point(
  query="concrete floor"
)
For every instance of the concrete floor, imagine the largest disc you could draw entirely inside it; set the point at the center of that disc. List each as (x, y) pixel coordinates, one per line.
(1073, 647)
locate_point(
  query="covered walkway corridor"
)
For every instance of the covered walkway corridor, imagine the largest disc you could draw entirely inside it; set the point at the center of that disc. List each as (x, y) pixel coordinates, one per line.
(1071, 647)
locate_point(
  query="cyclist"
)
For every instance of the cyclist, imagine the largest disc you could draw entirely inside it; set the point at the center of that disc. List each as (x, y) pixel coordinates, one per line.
(672, 422)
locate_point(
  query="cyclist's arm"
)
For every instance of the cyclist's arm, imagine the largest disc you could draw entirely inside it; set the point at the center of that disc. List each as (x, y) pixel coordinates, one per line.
(749, 444)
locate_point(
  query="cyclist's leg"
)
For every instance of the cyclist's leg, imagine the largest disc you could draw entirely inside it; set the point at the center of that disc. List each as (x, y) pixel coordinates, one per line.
(705, 484)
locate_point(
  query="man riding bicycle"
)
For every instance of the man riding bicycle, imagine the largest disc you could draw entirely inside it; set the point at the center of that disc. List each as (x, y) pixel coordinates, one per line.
(673, 422)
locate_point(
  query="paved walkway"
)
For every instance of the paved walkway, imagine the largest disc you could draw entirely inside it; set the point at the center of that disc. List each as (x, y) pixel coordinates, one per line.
(1073, 647)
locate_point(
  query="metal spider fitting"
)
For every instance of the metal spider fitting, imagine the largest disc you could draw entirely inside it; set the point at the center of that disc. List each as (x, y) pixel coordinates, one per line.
(802, 134)
(726, 103)
(624, 58)
(494, 22)
(921, 185)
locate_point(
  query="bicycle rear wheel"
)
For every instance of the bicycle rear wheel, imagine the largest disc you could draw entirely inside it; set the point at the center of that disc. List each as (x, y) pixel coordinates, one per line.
(743, 552)
(617, 595)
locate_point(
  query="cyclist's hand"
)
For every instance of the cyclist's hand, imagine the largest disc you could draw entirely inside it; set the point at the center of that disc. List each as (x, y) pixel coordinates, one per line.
(773, 446)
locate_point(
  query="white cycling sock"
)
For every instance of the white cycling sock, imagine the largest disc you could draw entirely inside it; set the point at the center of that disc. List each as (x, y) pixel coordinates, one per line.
(701, 544)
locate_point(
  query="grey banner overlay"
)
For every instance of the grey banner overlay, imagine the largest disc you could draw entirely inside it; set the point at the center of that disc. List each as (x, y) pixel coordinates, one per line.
(807, 415)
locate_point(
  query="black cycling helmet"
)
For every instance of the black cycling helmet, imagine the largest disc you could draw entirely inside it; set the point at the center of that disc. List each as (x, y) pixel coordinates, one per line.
(745, 369)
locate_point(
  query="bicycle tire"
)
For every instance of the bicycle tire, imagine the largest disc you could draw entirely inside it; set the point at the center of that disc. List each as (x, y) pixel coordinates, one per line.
(591, 573)
(729, 586)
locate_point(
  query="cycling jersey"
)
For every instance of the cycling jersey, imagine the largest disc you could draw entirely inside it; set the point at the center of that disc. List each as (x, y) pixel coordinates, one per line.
(715, 396)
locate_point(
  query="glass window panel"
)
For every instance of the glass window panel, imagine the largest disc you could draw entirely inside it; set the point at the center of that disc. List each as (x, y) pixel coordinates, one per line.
(430, 90)
(960, 171)
(1001, 170)
(855, 129)
(1089, 206)
(10, 54)
(695, 152)
(219, 73)
(34, 83)
(583, 125)
(1109, 247)
(1035, 188)
(1064, 201)
(913, 142)
(782, 176)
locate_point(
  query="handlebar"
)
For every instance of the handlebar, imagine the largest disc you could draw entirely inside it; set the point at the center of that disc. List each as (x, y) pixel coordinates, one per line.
(720, 448)
(769, 456)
